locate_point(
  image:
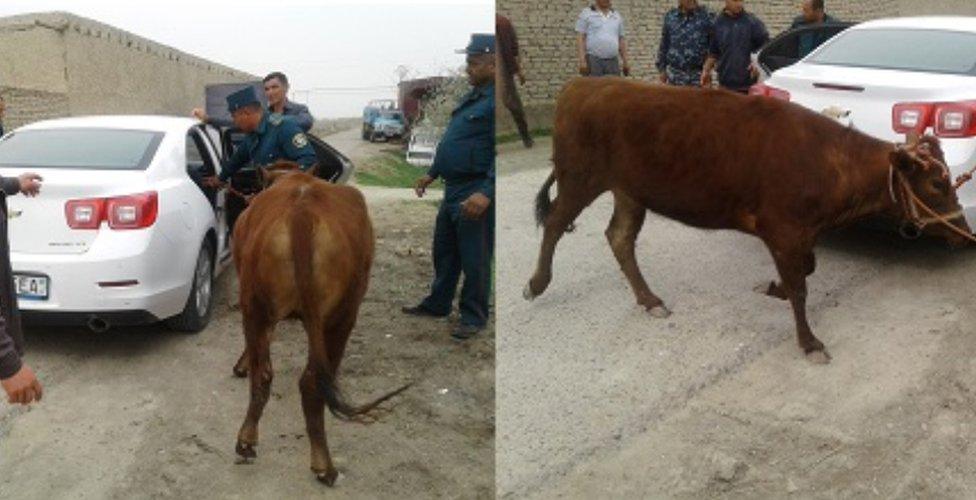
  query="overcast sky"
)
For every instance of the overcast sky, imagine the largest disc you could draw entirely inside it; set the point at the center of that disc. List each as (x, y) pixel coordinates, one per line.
(337, 54)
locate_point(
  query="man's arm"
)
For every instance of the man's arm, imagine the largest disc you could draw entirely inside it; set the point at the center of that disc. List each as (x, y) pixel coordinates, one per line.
(623, 56)
(581, 54)
(234, 163)
(759, 34)
(662, 51)
(303, 117)
(296, 145)
(9, 357)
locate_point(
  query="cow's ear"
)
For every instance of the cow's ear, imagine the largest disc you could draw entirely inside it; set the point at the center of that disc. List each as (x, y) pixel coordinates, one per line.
(912, 138)
(901, 159)
(314, 170)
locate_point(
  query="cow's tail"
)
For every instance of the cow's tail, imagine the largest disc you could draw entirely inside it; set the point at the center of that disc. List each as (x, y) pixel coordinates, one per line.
(542, 202)
(302, 237)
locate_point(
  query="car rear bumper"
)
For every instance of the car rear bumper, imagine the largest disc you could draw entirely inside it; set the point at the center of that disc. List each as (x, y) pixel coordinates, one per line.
(111, 318)
(143, 280)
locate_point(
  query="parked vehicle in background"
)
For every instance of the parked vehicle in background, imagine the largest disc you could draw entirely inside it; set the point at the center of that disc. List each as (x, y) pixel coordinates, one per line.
(372, 112)
(889, 77)
(423, 147)
(388, 125)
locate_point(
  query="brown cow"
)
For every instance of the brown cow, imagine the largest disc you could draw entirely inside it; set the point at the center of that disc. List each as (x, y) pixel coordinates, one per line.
(302, 248)
(717, 160)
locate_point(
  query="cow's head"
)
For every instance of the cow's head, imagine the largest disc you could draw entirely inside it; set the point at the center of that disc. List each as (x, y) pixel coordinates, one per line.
(921, 182)
(279, 169)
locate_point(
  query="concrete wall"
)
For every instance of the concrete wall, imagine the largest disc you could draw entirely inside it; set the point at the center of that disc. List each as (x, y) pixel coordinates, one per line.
(546, 34)
(58, 64)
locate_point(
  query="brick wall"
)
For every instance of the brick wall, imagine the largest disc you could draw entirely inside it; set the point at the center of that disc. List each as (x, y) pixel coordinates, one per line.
(546, 34)
(58, 64)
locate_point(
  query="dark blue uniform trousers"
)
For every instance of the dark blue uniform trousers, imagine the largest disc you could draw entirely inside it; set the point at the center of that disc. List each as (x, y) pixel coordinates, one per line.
(462, 245)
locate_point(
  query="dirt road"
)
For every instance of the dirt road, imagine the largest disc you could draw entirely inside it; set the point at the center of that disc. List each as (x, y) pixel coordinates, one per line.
(144, 413)
(597, 398)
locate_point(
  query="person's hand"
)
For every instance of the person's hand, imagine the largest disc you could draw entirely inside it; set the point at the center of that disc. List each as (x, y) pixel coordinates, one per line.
(626, 69)
(30, 184)
(663, 77)
(23, 387)
(474, 207)
(421, 185)
(706, 79)
(584, 69)
(213, 182)
(200, 114)
(521, 77)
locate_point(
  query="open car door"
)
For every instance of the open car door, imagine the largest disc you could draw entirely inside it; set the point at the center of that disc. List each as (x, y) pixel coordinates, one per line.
(784, 50)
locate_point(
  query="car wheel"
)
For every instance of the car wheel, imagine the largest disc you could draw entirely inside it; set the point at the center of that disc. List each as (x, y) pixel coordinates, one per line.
(199, 305)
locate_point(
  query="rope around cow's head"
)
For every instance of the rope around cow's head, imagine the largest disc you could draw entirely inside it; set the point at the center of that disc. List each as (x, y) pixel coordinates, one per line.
(910, 203)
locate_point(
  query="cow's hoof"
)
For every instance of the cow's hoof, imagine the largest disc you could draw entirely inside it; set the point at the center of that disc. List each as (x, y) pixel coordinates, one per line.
(246, 452)
(659, 312)
(818, 357)
(527, 292)
(327, 477)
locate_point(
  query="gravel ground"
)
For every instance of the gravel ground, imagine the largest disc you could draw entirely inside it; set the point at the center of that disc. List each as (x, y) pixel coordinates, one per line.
(598, 398)
(145, 413)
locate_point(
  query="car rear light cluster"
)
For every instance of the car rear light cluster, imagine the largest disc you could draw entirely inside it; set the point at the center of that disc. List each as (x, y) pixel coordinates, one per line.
(947, 119)
(137, 211)
(767, 91)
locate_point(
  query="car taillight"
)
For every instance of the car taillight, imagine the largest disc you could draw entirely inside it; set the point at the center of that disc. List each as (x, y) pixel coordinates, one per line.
(956, 119)
(911, 117)
(85, 214)
(136, 211)
(132, 212)
(947, 119)
(767, 91)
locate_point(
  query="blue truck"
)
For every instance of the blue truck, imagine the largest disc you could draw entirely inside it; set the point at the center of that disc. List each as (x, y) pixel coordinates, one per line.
(382, 120)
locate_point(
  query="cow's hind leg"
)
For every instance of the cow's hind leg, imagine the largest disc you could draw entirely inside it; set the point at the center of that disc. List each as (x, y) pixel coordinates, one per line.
(240, 368)
(257, 326)
(573, 197)
(775, 289)
(628, 218)
(326, 346)
(793, 257)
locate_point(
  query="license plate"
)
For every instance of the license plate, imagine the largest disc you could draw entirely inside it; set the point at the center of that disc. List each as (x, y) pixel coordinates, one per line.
(31, 287)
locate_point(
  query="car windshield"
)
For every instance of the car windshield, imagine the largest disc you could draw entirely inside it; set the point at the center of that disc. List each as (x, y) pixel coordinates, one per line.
(391, 115)
(80, 148)
(930, 51)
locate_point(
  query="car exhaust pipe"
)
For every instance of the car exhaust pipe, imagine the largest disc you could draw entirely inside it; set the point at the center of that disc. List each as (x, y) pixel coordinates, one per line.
(910, 231)
(98, 325)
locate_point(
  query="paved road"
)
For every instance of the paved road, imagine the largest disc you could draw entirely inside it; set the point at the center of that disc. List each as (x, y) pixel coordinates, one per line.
(597, 398)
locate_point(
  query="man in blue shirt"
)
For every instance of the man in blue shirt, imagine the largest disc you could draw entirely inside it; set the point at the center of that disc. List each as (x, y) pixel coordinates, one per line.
(813, 14)
(464, 234)
(736, 34)
(600, 42)
(270, 137)
(684, 44)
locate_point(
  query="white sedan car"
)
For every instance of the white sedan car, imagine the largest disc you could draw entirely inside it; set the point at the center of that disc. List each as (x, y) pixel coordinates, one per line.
(120, 234)
(889, 77)
(123, 231)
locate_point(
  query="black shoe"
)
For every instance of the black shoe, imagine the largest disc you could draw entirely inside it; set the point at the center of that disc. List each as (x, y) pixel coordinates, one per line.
(420, 310)
(465, 332)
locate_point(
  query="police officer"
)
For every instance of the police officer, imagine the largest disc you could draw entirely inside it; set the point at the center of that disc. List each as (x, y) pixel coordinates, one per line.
(464, 234)
(270, 137)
